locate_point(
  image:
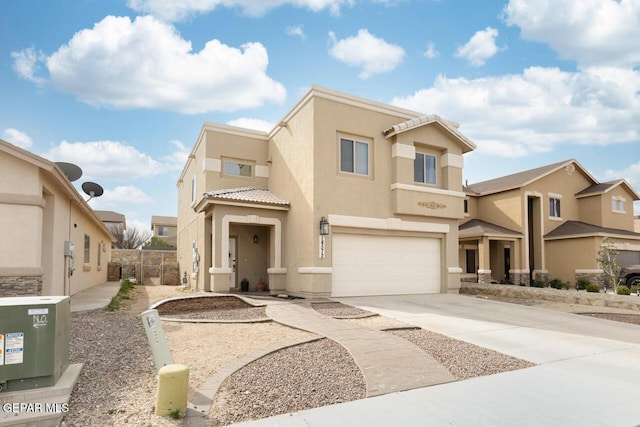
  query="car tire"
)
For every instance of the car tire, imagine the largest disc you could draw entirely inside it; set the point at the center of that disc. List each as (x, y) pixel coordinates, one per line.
(634, 281)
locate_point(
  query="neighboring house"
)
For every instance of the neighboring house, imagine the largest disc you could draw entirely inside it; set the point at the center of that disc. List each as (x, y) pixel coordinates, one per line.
(48, 230)
(545, 223)
(636, 224)
(166, 228)
(345, 196)
(114, 221)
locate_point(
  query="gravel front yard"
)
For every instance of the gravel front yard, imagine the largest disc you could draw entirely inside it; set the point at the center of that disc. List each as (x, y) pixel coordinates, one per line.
(117, 385)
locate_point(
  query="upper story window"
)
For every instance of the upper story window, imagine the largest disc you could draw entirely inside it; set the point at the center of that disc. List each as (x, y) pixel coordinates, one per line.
(354, 156)
(466, 206)
(554, 206)
(162, 230)
(617, 204)
(424, 169)
(193, 189)
(236, 168)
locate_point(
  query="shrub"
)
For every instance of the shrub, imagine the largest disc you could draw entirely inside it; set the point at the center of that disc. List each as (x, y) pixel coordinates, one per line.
(623, 290)
(558, 284)
(634, 289)
(539, 283)
(592, 287)
(582, 283)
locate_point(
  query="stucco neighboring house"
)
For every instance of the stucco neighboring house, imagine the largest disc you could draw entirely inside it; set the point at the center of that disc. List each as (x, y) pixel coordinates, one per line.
(544, 223)
(345, 196)
(48, 230)
(166, 228)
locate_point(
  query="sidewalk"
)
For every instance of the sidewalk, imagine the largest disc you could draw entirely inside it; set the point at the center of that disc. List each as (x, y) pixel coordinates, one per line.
(94, 298)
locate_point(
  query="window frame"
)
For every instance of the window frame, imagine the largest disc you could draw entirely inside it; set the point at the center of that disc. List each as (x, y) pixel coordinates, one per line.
(87, 249)
(424, 171)
(239, 163)
(555, 209)
(355, 156)
(618, 204)
(160, 229)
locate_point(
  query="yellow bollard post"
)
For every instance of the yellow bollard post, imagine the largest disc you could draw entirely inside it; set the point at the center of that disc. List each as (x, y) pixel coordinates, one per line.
(173, 388)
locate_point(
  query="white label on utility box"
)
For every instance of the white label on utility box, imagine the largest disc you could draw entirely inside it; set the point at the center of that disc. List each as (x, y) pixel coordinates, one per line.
(36, 311)
(13, 348)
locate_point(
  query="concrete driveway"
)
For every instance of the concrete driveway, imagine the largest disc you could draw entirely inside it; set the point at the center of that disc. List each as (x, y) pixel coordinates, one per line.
(587, 373)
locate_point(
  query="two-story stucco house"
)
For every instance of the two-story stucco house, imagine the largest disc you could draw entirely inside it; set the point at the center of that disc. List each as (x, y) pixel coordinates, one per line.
(52, 242)
(545, 223)
(345, 196)
(165, 227)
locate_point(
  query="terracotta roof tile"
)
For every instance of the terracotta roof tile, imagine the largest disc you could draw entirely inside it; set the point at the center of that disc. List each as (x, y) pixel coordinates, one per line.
(247, 195)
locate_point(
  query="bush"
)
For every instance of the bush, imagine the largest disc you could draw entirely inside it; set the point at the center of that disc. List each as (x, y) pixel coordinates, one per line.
(634, 289)
(558, 284)
(539, 284)
(623, 290)
(592, 287)
(582, 283)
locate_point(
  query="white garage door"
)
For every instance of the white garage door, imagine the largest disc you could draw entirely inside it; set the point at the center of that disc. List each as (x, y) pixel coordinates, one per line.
(377, 265)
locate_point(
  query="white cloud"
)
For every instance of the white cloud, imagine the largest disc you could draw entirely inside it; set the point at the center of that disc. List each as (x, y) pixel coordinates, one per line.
(248, 123)
(431, 51)
(146, 64)
(592, 32)
(480, 47)
(631, 173)
(178, 158)
(26, 63)
(120, 196)
(372, 54)
(106, 160)
(517, 115)
(172, 10)
(296, 31)
(17, 138)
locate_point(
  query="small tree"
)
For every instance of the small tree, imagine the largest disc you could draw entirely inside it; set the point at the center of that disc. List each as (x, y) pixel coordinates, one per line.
(607, 255)
(131, 238)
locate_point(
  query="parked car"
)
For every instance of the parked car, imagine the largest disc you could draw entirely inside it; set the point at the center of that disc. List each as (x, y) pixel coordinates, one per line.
(630, 275)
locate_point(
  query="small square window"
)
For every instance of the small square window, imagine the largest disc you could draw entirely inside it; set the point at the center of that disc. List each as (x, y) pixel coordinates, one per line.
(354, 157)
(424, 169)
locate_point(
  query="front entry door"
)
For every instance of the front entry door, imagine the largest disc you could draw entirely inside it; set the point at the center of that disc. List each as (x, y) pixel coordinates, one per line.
(233, 242)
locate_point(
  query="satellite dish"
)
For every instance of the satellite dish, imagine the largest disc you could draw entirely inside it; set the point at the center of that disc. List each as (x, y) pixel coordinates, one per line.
(71, 171)
(92, 189)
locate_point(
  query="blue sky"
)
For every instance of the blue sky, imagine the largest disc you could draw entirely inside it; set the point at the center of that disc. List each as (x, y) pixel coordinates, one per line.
(122, 87)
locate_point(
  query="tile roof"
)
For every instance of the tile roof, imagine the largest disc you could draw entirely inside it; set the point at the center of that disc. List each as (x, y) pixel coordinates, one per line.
(425, 120)
(577, 228)
(247, 195)
(477, 227)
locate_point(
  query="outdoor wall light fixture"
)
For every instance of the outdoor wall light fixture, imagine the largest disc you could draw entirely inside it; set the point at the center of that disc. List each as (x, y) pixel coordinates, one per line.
(255, 239)
(324, 226)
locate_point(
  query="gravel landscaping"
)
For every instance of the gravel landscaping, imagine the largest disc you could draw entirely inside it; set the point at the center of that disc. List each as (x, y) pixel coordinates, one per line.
(224, 308)
(301, 377)
(339, 310)
(618, 317)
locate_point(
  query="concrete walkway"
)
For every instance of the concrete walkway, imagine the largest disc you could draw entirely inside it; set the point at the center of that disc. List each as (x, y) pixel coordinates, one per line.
(587, 373)
(94, 298)
(389, 363)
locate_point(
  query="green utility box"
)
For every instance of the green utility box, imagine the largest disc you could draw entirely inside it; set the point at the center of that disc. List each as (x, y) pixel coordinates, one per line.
(34, 341)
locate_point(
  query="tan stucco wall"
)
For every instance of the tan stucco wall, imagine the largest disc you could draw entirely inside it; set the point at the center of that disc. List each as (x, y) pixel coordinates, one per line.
(503, 209)
(37, 215)
(566, 256)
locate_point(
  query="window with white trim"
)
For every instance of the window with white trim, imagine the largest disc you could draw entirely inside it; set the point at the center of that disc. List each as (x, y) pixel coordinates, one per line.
(193, 189)
(617, 204)
(424, 169)
(554, 207)
(354, 156)
(238, 168)
(87, 249)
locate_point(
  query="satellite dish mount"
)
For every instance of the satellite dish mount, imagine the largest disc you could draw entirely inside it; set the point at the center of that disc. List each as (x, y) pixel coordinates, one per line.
(92, 189)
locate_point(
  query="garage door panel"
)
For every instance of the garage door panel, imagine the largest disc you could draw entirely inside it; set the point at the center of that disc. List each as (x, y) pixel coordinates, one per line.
(382, 265)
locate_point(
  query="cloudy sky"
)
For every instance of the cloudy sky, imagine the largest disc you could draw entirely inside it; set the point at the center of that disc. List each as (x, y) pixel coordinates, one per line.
(122, 87)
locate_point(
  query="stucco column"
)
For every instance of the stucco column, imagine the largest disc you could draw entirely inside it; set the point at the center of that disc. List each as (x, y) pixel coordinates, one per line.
(484, 261)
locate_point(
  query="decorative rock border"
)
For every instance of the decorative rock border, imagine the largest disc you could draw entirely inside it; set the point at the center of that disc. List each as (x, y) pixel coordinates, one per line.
(630, 302)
